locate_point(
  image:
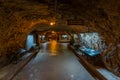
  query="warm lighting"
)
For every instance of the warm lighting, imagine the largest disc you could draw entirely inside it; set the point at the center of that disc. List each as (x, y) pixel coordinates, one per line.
(53, 31)
(52, 23)
(53, 48)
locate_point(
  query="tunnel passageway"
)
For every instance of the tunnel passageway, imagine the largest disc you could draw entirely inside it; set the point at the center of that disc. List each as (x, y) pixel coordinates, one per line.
(23, 20)
(54, 62)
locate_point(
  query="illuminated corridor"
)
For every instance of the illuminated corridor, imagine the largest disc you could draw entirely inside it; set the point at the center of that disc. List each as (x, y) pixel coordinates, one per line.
(59, 39)
(54, 62)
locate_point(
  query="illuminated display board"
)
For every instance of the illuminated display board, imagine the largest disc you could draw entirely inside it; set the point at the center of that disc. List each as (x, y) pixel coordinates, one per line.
(89, 51)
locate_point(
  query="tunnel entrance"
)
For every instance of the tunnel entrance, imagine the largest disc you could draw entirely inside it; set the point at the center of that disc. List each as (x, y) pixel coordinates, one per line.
(59, 36)
(52, 35)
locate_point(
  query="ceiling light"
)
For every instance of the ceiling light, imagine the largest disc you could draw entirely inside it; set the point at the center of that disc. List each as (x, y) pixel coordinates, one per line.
(52, 23)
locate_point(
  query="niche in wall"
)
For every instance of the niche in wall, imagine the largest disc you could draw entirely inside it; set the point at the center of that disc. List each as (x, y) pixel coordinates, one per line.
(92, 40)
(30, 41)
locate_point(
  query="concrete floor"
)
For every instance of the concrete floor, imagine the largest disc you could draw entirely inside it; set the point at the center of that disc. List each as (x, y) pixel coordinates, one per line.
(54, 62)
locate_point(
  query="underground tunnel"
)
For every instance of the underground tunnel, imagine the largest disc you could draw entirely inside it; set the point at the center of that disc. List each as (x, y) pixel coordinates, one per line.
(95, 25)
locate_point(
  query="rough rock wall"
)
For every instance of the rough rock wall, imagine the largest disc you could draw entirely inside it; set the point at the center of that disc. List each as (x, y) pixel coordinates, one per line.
(14, 27)
(103, 16)
(17, 19)
(12, 36)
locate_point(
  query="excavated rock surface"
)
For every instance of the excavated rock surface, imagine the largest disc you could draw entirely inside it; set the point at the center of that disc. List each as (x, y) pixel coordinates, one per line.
(20, 17)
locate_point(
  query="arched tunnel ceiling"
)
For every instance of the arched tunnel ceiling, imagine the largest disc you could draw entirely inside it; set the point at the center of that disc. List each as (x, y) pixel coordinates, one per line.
(70, 28)
(19, 17)
(87, 10)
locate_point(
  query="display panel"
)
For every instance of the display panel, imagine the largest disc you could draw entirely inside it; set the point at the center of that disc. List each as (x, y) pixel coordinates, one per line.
(91, 43)
(89, 51)
(92, 40)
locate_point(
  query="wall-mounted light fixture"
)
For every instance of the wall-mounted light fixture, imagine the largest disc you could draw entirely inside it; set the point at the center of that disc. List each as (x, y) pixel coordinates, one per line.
(52, 23)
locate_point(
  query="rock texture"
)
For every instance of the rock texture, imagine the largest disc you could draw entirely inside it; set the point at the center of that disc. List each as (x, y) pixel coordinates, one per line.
(19, 17)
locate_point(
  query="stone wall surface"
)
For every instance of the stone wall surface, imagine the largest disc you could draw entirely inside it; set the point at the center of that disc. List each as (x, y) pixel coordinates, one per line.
(103, 16)
(18, 17)
(14, 27)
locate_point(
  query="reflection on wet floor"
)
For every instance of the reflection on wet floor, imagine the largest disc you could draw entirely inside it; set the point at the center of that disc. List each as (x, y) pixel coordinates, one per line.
(54, 62)
(53, 48)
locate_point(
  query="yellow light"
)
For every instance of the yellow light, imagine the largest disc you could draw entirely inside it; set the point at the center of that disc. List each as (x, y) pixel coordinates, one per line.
(53, 31)
(53, 48)
(52, 23)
